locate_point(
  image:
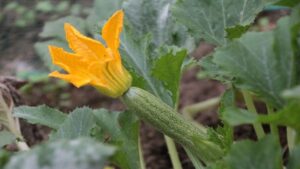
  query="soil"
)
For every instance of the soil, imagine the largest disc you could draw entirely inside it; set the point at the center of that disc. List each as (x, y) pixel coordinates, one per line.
(17, 54)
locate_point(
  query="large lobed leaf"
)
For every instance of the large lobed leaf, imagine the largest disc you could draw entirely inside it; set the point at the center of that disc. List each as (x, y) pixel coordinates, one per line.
(154, 17)
(209, 19)
(150, 16)
(42, 114)
(264, 63)
(81, 153)
(264, 154)
(256, 66)
(121, 130)
(79, 123)
(117, 128)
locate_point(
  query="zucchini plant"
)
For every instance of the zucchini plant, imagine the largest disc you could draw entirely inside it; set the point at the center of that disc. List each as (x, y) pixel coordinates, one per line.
(139, 58)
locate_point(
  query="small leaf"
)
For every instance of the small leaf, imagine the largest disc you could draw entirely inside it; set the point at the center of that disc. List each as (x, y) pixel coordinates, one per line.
(6, 138)
(81, 153)
(78, 124)
(236, 31)
(235, 116)
(168, 69)
(121, 130)
(222, 136)
(42, 115)
(263, 154)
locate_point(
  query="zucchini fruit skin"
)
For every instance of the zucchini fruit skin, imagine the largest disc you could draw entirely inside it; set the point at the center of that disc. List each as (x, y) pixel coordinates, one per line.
(165, 119)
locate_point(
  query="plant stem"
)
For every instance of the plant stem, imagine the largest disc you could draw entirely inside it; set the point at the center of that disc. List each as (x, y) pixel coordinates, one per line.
(190, 111)
(274, 128)
(22, 146)
(173, 153)
(291, 137)
(142, 162)
(251, 107)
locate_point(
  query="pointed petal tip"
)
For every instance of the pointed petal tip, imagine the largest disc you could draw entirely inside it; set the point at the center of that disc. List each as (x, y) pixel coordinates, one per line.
(67, 26)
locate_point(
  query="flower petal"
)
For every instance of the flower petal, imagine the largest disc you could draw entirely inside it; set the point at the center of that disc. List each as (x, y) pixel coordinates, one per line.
(85, 46)
(69, 62)
(78, 81)
(112, 29)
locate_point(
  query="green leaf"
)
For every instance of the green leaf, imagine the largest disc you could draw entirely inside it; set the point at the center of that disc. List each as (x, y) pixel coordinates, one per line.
(82, 153)
(55, 29)
(62, 6)
(42, 115)
(256, 67)
(78, 124)
(6, 138)
(4, 157)
(263, 154)
(294, 162)
(235, 116)
(284, 52)
(41, 49)
(167, 68)
(228, 99)
(148, 26)
(209, 19)
(121, 130)
(44, 6)
(212, 70)
(138, 58)
(236, 31)
(289, 3)
(152, 17)
(288, 116)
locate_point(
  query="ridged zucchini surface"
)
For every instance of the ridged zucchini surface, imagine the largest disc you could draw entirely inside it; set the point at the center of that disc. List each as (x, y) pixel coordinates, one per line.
(167, 120)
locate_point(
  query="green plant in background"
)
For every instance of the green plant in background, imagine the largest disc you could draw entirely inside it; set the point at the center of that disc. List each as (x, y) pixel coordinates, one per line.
(26, 16)
(157, 35)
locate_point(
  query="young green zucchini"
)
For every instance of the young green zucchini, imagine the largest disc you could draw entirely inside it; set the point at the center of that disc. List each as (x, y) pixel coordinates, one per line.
(165, 119)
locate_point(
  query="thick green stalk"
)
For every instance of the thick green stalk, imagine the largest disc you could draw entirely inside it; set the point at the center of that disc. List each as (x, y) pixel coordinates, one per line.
(274, 128)
(142, 162)
(173, 153)
(291, 138)
(165, 119)
(251, 107)
(191, 110)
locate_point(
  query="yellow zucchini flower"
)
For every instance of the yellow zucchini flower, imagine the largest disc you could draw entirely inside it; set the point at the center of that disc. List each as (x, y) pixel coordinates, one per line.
(93, 63)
